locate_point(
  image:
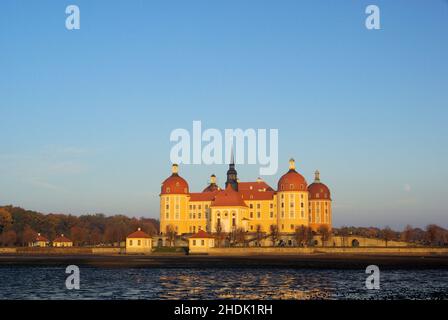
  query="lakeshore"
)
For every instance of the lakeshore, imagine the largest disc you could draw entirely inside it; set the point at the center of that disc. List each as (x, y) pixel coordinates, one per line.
(303, 261)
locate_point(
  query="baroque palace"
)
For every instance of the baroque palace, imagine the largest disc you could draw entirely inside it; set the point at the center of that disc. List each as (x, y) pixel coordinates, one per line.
(251, 206)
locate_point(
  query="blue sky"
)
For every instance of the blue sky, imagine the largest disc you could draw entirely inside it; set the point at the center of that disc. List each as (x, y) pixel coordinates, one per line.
(85, 115)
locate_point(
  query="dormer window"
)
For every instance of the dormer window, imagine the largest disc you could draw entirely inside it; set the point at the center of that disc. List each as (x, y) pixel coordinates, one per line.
(168, 190)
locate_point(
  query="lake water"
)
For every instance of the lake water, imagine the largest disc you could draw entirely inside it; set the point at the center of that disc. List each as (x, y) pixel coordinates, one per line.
(27, 282)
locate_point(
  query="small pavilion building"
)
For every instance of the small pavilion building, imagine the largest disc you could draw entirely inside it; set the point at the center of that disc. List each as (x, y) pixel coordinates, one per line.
(62, 241)
(40, 241)
(138, 242)
(201, 242)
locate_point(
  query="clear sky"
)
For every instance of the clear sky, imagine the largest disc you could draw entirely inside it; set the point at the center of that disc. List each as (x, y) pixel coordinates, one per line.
(85, 115)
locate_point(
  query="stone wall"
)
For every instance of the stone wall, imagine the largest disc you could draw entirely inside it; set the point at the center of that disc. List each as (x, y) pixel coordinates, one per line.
(62, 251)
(327, 250)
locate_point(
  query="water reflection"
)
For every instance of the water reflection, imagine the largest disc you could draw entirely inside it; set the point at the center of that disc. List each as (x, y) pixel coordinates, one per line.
(97, 283)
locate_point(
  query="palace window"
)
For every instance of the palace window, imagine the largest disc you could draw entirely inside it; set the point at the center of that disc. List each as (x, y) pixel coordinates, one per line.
(167, 207)
(251, 206)
(258, 215)
(271, 214)
(199, 215)
(251, 215)
(302, 214)
(271, 205)
(194, 242)
(167, 216)
(202, 242)
(283, 214)
(130, 242)
(139, 242)
(258, 206)
(292, 227)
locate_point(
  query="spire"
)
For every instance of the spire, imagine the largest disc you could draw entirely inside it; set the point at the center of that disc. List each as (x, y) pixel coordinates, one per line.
(232, 156)
(317, 176)
(174, 168)
(232, 175)
(292, 164)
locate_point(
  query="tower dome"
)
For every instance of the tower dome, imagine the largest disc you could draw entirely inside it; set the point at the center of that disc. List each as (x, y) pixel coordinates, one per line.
(318, 190)
(174, 184)
(292, 180)
(212, 186)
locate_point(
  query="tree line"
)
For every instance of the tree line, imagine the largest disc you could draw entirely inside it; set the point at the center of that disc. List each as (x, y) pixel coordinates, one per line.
(19, 226)
(431, 235)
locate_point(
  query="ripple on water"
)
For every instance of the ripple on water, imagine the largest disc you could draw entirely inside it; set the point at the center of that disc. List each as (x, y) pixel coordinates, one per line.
(104, 283)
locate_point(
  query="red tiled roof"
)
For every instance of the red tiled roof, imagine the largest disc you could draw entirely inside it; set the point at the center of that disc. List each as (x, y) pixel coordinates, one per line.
(257, 195)
(292, 181)
(201, 234)
(41, 238)
(228, 197)
(211, 188)
(138, 234)
(319, 191)
(174, 184)
(254, 186)
(203, 196)
(61, 238)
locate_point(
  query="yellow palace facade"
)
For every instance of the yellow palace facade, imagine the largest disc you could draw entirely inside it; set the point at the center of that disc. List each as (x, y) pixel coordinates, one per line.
(251, 206)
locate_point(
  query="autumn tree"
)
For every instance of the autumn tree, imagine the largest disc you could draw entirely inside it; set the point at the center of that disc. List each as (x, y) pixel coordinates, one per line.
(8, 238)
(28, 235)
(5, 219)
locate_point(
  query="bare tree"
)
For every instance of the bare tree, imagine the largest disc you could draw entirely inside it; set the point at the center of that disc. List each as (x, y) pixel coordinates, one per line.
(259, 234)
(408, 234)
(273, 234)
(308, 235)
(171, 234)
(325, 234)
(219, 233)
(240, 236)
(344, 233)
(300, 235)
(434, 234)
(387, 234)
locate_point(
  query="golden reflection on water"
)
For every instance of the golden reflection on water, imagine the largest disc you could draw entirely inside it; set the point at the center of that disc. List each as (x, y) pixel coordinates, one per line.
(245, 285)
